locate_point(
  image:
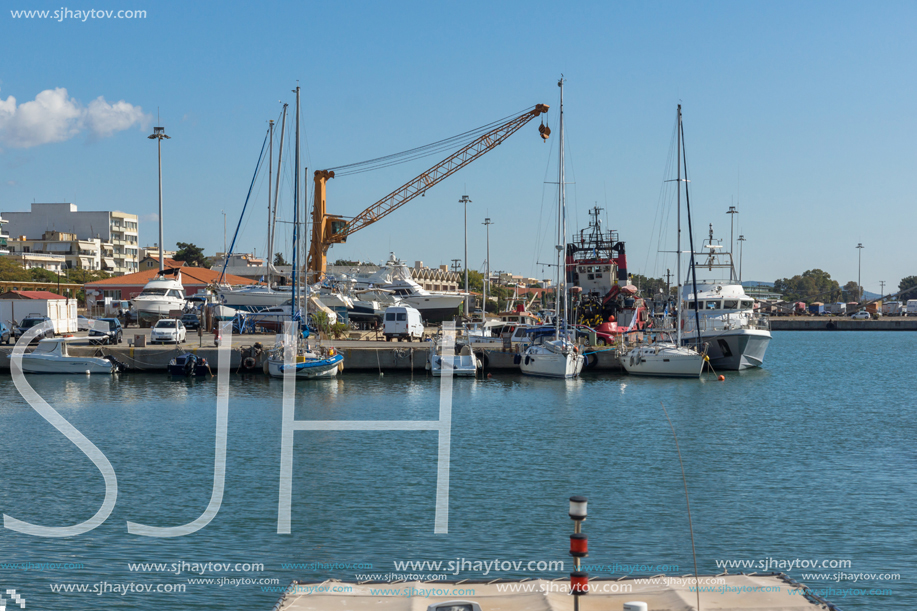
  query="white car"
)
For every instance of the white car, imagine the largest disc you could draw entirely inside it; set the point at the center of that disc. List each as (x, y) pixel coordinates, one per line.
(861, 315)
(168, 330)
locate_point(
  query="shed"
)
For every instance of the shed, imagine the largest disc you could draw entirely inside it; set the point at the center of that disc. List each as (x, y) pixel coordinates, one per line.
(16, 305)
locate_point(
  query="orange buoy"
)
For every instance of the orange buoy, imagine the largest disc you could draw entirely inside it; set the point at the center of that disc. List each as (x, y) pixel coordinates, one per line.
(721, 378)
(489, 376)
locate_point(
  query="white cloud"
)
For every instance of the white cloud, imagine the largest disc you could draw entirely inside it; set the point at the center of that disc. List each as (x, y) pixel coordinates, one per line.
(53, 116)
(149, 218)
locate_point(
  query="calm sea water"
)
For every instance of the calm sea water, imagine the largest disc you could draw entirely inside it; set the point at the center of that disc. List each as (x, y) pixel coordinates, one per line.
(812, 457)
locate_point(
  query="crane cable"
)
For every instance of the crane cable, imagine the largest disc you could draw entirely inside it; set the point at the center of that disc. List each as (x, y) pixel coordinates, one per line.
(421, 151)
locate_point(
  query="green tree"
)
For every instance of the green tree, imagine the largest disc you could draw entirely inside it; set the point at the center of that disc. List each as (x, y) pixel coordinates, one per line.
(346, 262)
(649, 287)
(851, 291)
(191, 254)
(908, 283)
(475, 281)
(279, 260)
(11, 270)
(812, 285)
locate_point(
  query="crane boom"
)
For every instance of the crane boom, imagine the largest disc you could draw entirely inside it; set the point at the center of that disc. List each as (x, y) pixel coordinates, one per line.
(330, 229)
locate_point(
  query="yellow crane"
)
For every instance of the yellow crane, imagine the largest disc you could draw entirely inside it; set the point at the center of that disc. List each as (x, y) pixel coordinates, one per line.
(328, 229)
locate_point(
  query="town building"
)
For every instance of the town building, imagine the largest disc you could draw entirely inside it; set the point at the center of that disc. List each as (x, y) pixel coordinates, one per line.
(57, 251)
(153, 251)
(4, 236)
(245, 265)
(437, 278)
(119, 229)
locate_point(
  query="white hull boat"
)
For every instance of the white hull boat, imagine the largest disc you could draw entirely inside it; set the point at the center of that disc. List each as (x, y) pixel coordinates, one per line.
(552, 359)
(254, 297)
(50, 356)
(161, 295)
(663, 359)
(463, 364)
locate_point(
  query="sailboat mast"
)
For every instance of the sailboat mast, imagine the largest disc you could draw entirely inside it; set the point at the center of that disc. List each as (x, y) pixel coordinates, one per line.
(295, 301)
(678, 246)
(560, 307)
(270, 175)
(283, 129)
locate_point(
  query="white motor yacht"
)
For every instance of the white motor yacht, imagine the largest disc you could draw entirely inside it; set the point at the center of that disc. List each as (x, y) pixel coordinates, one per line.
(161, 295)
(395, 276)
(51, 356)
(735, 334)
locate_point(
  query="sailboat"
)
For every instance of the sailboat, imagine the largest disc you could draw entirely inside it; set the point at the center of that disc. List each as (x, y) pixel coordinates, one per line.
(555, 355)
(296, 352)
(667, 358)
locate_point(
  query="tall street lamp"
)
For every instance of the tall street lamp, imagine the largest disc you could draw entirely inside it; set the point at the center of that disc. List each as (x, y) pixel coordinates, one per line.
(731, 212)
(158, 134)
(465, 200)
(860, 248)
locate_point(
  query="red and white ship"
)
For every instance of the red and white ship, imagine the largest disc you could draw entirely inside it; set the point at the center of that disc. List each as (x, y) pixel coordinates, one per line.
(596, 263)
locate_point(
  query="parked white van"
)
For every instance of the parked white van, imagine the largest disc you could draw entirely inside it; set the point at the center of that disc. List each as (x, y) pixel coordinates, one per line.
(402, 322)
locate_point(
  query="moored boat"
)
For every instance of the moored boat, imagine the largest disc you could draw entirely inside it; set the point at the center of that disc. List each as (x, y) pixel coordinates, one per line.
(160, 296)
(51, 356)
(189, 365)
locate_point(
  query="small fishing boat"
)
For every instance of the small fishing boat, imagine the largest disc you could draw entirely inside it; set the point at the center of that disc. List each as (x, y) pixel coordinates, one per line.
(51, 356)
(306, 363)
(189, 365)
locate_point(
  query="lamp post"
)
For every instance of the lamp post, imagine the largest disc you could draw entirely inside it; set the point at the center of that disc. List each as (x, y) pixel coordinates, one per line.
(158, 134)
(731, 212)
(579, 549)
(487, 223)
(465, 200)
(860, 248)
(741, 241)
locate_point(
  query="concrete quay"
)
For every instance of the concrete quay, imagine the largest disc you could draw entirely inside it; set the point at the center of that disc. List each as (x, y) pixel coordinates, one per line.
(842, 323)
(359, 354)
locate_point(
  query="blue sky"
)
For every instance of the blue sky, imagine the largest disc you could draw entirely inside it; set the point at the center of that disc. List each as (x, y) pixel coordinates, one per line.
(801, 111)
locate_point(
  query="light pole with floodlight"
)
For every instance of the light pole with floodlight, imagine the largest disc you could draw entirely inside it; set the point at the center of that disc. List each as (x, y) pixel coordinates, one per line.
(158, 134)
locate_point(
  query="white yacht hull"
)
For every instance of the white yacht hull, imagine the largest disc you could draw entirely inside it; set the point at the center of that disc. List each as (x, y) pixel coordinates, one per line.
(734, 350)
(547, 364)
(66, 365)
(156, 308)
(663, 360)
(254, 299)
(461, 365)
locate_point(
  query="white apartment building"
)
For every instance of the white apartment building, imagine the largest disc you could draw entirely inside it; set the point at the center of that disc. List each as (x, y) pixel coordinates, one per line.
(57, 251)
(4, 236)
(118, 229)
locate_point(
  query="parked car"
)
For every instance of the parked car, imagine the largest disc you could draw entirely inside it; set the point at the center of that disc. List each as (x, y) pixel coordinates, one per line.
(30, 321)
(402, 322)
(191, 320)
(5, 333)
(861, 315)
(168, 330)
(111, 335)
